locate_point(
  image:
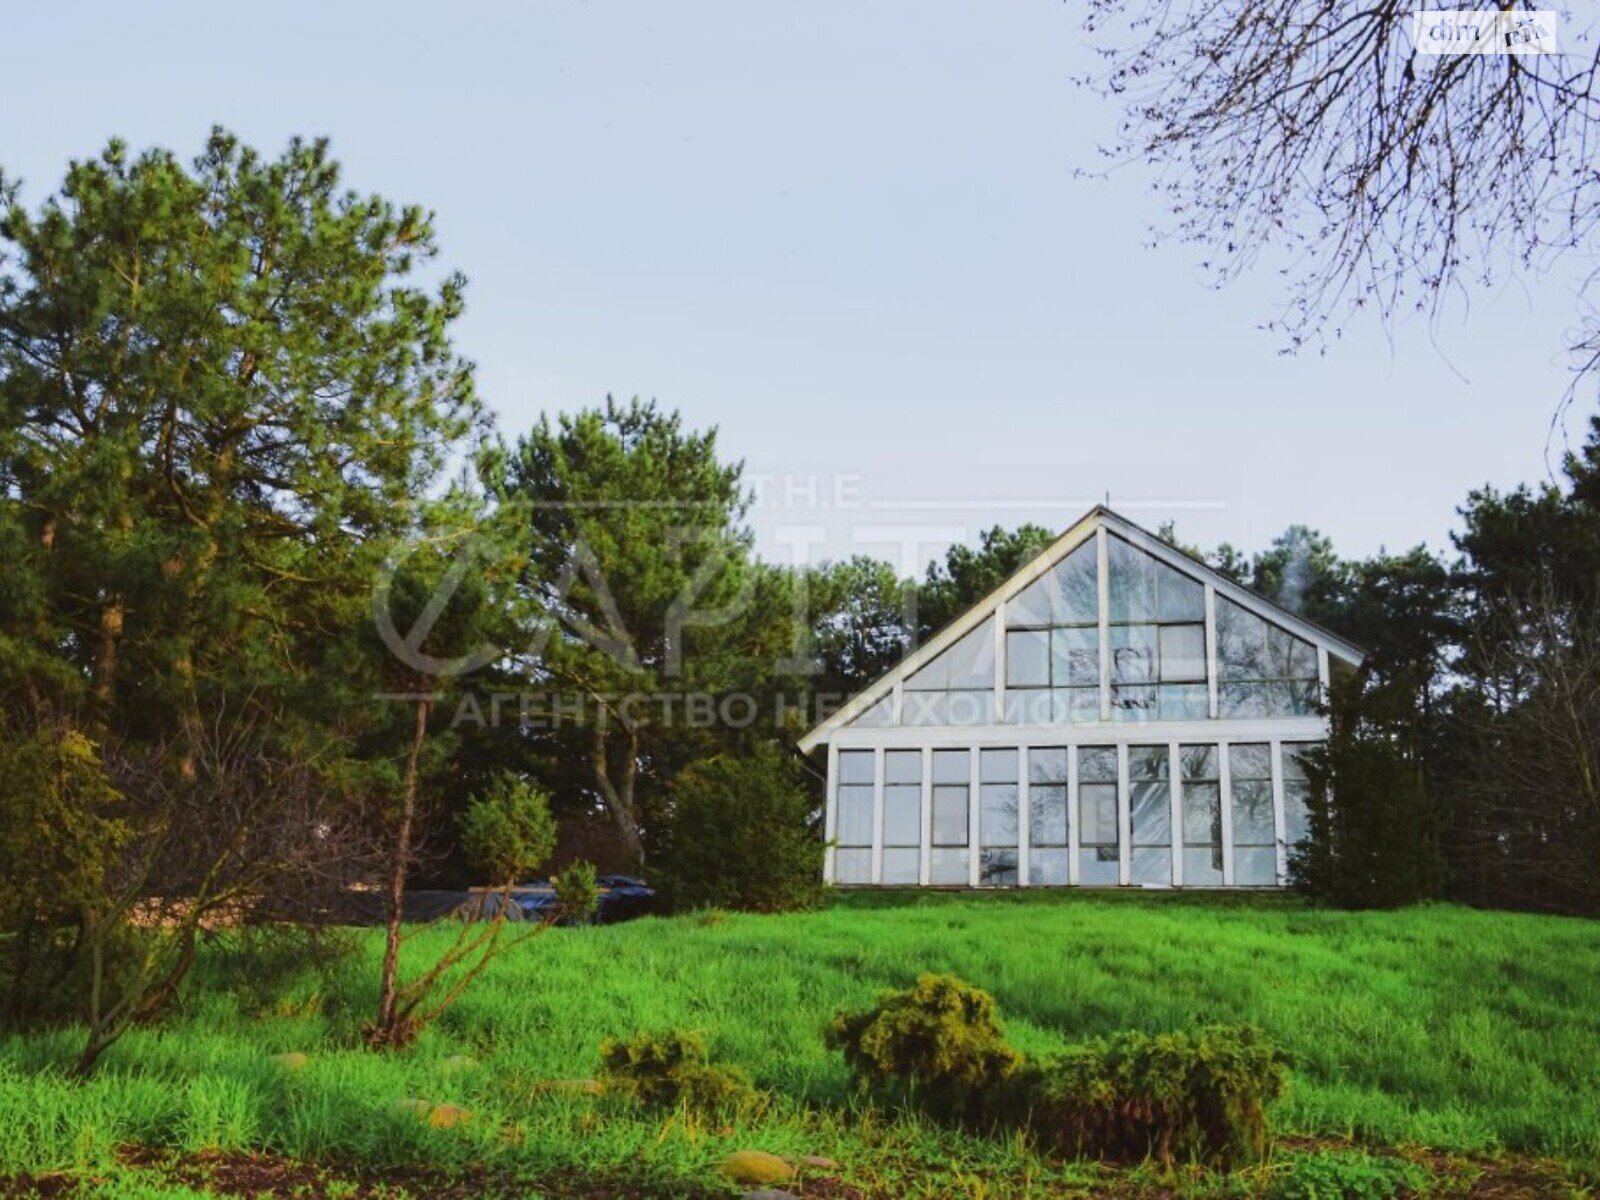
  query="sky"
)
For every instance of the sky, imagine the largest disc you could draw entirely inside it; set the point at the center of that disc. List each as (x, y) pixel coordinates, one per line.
(855, 237)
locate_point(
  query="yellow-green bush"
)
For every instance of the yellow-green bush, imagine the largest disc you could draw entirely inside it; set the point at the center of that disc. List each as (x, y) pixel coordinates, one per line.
(939, 1042)
(1197, 1095)
(672, 1069)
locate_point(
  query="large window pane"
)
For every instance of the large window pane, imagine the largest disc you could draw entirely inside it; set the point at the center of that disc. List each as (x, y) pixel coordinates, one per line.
(855, 815)
(970, 708)
(1029, 706)
(855, 766)
(952, 785)
(1183, 653)
(852, 866)
(1048, 764)
(997, 867)
(1067, 594)
(997, 815)
(1132, 582)
(1183, 702)
(1133, 653)
(1264, 670)
(1150, 814)
(1047, 805)
(1057, 616)
(1202, 817)
(1077, 705)
(881, 713)
(1098, 836)
(1254, 839)
(1296, 794)
(1075, 656)
(1047, 867)
(950, 826)
(957, 687)
(901, 865)
(902, 766)
(902, 814)
(952, 766)
(948, 865)
(1028, 658)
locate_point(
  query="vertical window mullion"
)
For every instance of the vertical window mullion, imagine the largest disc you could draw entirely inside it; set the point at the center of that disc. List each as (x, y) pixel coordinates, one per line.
(1124, 818)
(925, 867)
(1103, 590)
(877, 815)
(973, 804)
(1024, 814)
(1278, 833)
(1175, 773)
(1211, 650)
(1225, 777)
(1074, 814)
(1000, 663)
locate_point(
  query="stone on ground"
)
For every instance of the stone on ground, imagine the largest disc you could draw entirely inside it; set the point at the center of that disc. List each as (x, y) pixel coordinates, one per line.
(756, 1166)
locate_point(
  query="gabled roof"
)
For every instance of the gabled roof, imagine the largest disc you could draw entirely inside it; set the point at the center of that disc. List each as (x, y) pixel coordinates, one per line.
(1076, 535)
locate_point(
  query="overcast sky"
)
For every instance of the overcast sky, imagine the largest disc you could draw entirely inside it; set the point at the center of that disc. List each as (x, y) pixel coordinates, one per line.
(848, 234)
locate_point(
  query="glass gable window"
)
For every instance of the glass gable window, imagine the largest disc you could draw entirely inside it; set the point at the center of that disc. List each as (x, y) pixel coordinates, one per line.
(852, 861)
(952, 788)
(1150, 814)
(1157, 623)
(957, 687)
(902, 816)
(1296, 794)
(881, 713)
(1262, 670)
(1099, 845)
(1202, 816)
(997, 818)
(1255, 853)
(1047, 817)
(1053, 644)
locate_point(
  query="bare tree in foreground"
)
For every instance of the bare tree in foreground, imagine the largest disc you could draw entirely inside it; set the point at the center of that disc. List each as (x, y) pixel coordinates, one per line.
(1380, 178)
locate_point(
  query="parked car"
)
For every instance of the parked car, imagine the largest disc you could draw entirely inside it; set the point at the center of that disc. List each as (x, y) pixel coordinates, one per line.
(622, 898)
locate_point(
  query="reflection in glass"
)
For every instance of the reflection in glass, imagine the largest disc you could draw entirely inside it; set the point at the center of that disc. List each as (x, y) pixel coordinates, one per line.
(1099, 842)
(1202, 816)
(1263, 670)
(1296, 794)
(1254, 839)
(1150, 814)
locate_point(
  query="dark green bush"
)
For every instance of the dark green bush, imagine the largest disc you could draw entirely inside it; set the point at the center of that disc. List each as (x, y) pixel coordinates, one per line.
(671, 1069)
(938, 1044)
(508, 831)
(1197, 1096)
(741, 835)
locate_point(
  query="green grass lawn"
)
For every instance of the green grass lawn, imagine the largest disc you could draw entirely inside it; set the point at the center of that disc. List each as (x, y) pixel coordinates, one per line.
(1459, 1030)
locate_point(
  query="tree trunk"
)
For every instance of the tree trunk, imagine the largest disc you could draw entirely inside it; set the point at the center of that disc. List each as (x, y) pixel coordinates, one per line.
(387, 992)
(105, 662)
(618, 797)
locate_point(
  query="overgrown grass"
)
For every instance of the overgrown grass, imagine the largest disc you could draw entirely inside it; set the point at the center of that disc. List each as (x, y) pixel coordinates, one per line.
(1442, 1026)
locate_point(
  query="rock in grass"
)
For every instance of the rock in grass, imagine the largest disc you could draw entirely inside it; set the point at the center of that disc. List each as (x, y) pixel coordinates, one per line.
(817, 1163)
(435, 1116)
(756, 1167)
(448, 1116)
(292, 1061)
(769, 1194)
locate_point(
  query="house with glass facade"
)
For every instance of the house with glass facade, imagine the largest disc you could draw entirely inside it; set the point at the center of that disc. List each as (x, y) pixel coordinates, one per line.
(1115, 713)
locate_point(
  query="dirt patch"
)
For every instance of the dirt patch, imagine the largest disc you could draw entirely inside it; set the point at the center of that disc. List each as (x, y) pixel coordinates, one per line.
(271, 1177)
